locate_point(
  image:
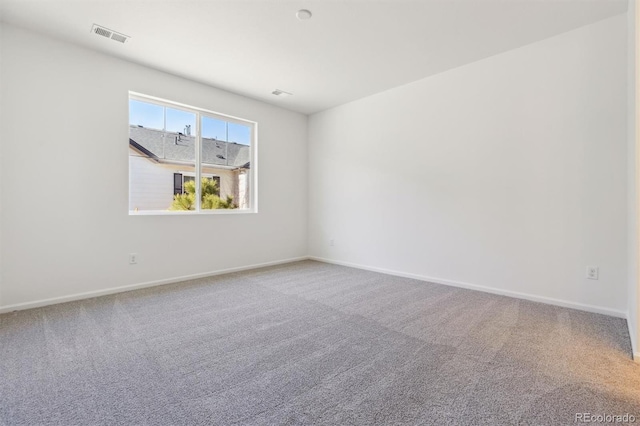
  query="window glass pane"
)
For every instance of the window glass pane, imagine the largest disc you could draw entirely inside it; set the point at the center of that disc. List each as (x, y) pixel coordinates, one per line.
(146, 114)
(226, 154)
(213, 128)
(239, 133)
(179, 121)
(160, 160)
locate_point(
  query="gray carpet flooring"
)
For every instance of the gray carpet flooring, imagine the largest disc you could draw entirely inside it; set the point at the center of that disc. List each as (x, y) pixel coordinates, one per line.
(311, 343)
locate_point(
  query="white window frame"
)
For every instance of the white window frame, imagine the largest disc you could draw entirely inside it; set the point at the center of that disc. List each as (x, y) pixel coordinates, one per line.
(200, 112)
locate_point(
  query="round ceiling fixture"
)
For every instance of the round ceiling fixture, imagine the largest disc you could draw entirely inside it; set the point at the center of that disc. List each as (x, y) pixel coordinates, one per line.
(303, 14)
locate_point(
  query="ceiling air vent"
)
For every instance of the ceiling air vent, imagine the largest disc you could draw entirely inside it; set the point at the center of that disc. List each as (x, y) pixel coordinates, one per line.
(106, 32)
(118, 37)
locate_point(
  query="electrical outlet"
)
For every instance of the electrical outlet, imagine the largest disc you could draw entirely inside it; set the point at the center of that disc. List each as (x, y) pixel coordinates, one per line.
(133, 258)
(593, 272)
(331, 242)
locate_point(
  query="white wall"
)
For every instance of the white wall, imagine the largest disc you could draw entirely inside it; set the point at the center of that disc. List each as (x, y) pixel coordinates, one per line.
(508, 173)
(64, 139)
(632, 160)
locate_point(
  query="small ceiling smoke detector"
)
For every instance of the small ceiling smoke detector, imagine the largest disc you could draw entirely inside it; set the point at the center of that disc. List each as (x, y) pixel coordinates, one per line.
(303, 14)
(106, 32)
(281, 93)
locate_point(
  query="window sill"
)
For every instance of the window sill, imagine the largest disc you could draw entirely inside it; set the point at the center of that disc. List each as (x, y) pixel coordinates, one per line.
(191, 212)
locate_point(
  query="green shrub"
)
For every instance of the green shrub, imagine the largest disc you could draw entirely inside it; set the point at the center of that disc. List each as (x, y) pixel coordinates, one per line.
(210, 197)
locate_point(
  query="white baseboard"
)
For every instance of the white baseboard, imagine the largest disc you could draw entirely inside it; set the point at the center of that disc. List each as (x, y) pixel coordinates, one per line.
(113, 290)
(486, 289)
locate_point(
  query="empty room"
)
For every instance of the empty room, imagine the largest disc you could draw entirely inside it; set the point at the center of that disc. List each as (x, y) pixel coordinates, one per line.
(273, 212)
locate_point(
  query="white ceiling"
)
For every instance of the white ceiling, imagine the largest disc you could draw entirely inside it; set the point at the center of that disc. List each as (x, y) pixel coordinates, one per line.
(348, 50)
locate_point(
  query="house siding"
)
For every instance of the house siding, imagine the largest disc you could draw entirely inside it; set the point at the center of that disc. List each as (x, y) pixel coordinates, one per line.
(151, 183)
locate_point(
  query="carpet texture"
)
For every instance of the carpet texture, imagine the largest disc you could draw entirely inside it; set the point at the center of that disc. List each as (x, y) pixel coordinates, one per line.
(312, 343)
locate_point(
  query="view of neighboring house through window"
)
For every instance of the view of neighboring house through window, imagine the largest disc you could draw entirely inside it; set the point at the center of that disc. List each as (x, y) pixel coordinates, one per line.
(187, 159)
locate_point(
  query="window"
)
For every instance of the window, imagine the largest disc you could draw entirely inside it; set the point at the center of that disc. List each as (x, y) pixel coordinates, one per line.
(185, 159)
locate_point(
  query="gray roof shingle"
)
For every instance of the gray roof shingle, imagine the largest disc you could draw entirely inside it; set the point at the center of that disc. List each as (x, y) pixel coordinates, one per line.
(175, 147)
